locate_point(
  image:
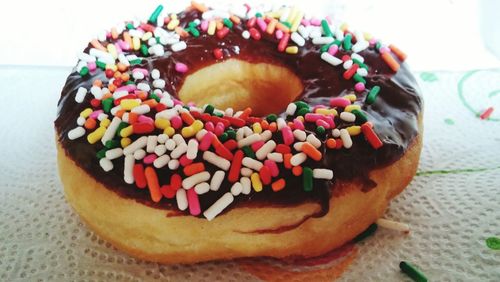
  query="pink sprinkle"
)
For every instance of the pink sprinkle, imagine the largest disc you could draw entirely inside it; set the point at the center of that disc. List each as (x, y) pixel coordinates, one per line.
(323, 123)
(108, 34)
(149, 159)
(177, 102)
(339, 102)
(118, 48)
(92, 66)
(330, 121)
(180, 67)
(184, 161)
(95, 114)
(279, 34)
(287, 135)
(298, 124)
(272, 167)
(144, 119)
(193, 202)
(329, 20)
(315, 22)
(486, 114)
(262, 24)
(123, 45)
(384, 49)
(209, 126)
(312, 117)
(372, 41)
(359, 87)
(206, 141)
(219, 129)
(129, 88)
(176, 122)
(333, 49)
(204, 25)
(305, 22)
(257, 145)
(145, 72)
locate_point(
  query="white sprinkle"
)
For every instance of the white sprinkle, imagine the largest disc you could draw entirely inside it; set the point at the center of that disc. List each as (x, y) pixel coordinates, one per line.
(179, 46)
(315, 32)
(102, 116)
(281, 123)
(106, 164)
(332, 60)
(86, 57)
(76, 133)
(347, 64)
(125, 117)
(80, 121)
(181, 198)
(136, 145)
(215, 209)
(142, 109)
(393, 225)
(360, 46)
(299, 40)
(155, 49)
(298, 158)
(362, 72)
(178, 139)
(170, 144)
(162, 138)
(217, 179)
(114, 110)
(123, 59)
(347, 116)
(311, 138)
(247, 185)
(322, 40)
(229, 112)
(161, 161)
(322, 173)
(137, 75)
(144, 87)
(80, 94)
(173, 164)
(212, 14)
(200, 134)
(276, 157)
(151, 144)
(236, 189)
(339, 34)
(303, 31)
(266, 135)
(202, 188)
(128, 169)
(160, 150)
(247, 141)
(139, 154)
(216, 160)
(248, 131)
(245, 34)
(166, 100)
(346, 138)
(245, 171)
(267, 148)
(290, 109)
(298, 146)
(96, 91)
(192, 149)
(240, 134)
(192, 180)
(300, 135)
(179, 151)
(114, 153)
(251, 163)
(357, 57)
(336, 133)
(159, 83)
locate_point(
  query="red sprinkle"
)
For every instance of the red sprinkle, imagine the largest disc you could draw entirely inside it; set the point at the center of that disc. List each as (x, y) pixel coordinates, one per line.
(140, 178)
(251, 22)
(95, 103)
(350, 72)
(218, 54)
(283, 42)
(371, 136)
(168, 191)
(223, 152)
(231, 144)
(265, 175)
(234, 171)
(143, 128)
(487, 113)
(176, 181)
(283, 149)
(222, 33)
(254, 33)
(194, 168)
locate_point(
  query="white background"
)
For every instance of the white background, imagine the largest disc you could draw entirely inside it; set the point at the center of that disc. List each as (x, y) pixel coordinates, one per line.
(438, 35)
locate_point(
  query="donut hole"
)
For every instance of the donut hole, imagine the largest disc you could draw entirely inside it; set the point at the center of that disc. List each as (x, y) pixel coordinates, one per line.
(237, 84)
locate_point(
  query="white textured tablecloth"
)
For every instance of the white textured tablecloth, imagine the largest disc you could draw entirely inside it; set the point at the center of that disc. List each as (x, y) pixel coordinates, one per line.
(452, 205)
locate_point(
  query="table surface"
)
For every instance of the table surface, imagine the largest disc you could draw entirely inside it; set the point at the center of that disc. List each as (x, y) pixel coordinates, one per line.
(452, 205)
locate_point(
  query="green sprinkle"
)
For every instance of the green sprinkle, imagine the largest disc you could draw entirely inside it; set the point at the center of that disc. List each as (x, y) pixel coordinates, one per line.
(303, 111)
(209, 109)
(217, 114)
(287, 24)
(449, 121)
(359, 78)
(194, 31)
(272, 118)
(378, 45)
(231, 134)
(144, 50)
(372, 95)
(129, 82)
(120, 127)
(326, 28)
(320, 130)
(359, 63)
(130, 26)
(223, 137)
(337, 42)
(360, 116)
(228, 23)
(493, 243)
(428, 76)
(84, 71)
(413, 272)
(107, 104)
(248, 152)
(301, 104)
(154, 16)
(307, 178)
(154, 96)
(101, 154)
(325, 47)
(347, 42)
(367, 233)
(258, 15)
(111, 144)
(192, 24)
(135, 62)
(100, 65)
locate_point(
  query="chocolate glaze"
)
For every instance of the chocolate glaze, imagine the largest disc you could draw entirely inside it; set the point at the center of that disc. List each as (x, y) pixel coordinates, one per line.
(394, 116)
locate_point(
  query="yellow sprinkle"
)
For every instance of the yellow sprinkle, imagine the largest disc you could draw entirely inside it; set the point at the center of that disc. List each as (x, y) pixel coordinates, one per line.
(112, 50)
(344, 27)
(273, 14)
(146, 36)
(125, 142)
(257, 128)
(352, 107)
(96, 135)
(332, 112)
(105, 122)
(162, 123)
(188, 131)
(301, 118)
(350, 97)
(292, 14)
(292, 50)
(211, 27)
(136, 43)
(129, 104)
(296, 22)
(354, 130)
(173, 24)
(112, 67)
(127, 131)
(256, 183)
(367, 36)
(173, 16)
(170, 131)
(86, 113)
(197, 125)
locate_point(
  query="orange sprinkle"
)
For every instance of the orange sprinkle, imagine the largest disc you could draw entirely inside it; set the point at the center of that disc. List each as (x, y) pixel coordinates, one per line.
(311, 151)
(112, 88)
(264, 124)
(331, 143)
(194, 168)
(215, 142)
(286, 160)
(246, 113)
(96, 44)
(219, 25)
(132, 117)
(282, 27)
(122, 67)
(120, 113)
(278, 185)
(400, 54)
(198, 6)
(107, 95)
(297, 170)
(97, 83)
(142, 95)
(389, 60)
(153, 185)
(271, 26)
(114, 33)
(125, 77)
(127, 38)
(90, 123)
(187, 118)
(151, 103)
(182, 33)
(273, 126)
(117, 74)
(235, 19)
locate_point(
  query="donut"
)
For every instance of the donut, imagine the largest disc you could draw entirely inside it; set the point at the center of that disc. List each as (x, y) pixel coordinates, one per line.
(216, 134)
